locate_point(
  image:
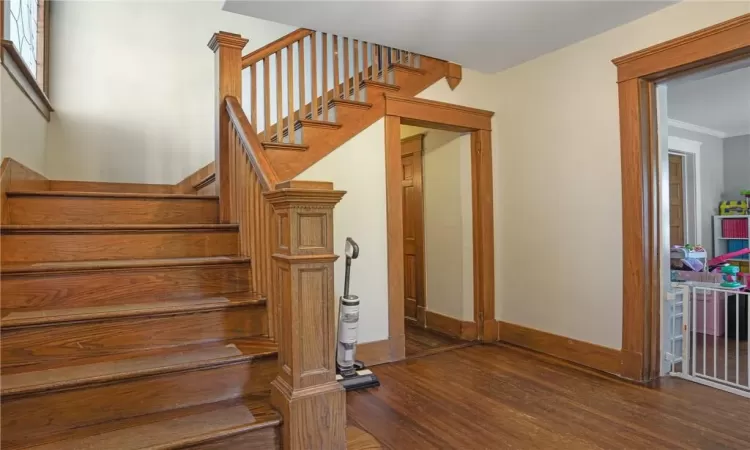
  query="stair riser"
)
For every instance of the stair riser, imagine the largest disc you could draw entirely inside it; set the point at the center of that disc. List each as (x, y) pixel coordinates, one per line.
(99, 288)
(309, 134)
(31, 210)
(46, 344)
(403, 77)
(41, 416)
(374, 93)
(85, 246)
(345, 114)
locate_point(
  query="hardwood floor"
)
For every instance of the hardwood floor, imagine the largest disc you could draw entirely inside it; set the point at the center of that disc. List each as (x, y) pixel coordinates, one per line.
(422, 342)
(497, 396)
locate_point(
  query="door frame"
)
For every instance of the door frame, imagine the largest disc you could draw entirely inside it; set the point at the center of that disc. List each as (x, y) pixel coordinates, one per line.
(637, 75)
(442, 116)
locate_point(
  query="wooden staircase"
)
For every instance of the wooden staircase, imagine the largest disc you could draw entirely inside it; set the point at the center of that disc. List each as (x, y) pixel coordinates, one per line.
(129, 321)
(198, 315)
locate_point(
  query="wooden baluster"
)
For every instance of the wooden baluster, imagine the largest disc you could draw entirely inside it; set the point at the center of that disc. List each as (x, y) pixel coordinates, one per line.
(346, 68)
(290, 91)
(227, 48)
(325, 75)
(365, 61)
(253, 96)
(386, 54)
(266, 100)
(302, 80)
(314, 72)
(336, 66)
(356, 69)
(279, 100)
(375, 62)
(305, 391)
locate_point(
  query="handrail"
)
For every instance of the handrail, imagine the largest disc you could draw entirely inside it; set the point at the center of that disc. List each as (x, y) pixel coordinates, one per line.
(251, 143)
(275, 46)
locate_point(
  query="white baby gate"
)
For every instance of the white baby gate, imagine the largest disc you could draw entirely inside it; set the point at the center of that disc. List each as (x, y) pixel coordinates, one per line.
(713, 346)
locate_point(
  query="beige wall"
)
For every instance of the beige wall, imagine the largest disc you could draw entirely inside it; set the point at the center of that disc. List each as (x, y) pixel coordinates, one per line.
(560, 227)
(23, 129)
(358, 167)
(132, 85)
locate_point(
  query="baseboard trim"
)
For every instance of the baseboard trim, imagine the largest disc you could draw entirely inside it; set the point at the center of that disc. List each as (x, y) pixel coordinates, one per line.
(584, 353)
(381, 352)
(451, 326)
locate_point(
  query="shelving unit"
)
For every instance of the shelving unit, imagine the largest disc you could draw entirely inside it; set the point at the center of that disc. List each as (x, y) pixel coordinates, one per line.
(738, 240)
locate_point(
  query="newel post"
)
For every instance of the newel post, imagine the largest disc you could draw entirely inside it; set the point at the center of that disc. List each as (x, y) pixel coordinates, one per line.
(227, 48)
(306, 392)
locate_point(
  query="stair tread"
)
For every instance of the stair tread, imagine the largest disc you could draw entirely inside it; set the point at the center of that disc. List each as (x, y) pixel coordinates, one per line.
(30, 379)
(355, 103)
(12, 318)
(407, 68)
(380, 84)
(173, 429)
(268, 145)
(115, 264)
(16, 229)
(26, 193)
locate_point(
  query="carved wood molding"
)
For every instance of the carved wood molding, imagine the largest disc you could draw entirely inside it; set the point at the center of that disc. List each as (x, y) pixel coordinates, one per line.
(454, 75)
(305, 391)
(730, 38)
(428, 113)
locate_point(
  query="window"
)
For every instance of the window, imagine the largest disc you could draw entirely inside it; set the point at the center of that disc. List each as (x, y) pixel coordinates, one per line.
(24, 26)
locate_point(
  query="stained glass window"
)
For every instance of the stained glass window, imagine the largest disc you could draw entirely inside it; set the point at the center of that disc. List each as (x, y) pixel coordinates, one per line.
(22, 20)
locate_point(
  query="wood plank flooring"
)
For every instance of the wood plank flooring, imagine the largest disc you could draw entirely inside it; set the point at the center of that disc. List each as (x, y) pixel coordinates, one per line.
(498, 397)
(421, 342)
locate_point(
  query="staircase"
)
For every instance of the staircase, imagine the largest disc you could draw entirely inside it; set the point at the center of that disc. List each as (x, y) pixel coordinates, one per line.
(198, 315)
(128, 322)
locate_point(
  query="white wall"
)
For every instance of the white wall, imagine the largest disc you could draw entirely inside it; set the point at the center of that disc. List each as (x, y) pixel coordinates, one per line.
(23, 129)
(736, 166)
(559, 148)
(133, 87)
(358, 167)
(711, 179)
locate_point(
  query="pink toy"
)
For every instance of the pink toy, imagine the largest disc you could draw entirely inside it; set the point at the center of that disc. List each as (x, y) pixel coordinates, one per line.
(727, 256)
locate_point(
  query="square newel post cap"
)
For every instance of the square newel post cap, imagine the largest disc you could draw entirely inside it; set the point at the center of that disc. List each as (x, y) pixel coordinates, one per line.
(226, 40)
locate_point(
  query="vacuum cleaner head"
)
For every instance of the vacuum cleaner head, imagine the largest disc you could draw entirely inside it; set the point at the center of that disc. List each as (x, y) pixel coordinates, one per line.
(363, 379)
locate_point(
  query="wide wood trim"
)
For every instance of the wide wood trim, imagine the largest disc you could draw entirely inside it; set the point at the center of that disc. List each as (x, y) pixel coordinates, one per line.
(482, 214)
(637, 72)
(451, 326)
(25, 80)
(724, 40)
(585, 353)
(16, 176)
(273, 47)
(428, 113)
(197, 181)
(251, 143)
(454, 75)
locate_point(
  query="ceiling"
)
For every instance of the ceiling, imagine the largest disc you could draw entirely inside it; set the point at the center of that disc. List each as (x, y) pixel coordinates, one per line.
(718, 102)
(483, 35)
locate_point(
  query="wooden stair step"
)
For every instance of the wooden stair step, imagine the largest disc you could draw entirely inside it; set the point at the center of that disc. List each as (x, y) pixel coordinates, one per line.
(284, 146)
(70, 207)
(130, 366)
(304, 128)
(37, 337)
(36, 243)
(105, 186)
(131, 389)
(183, 428)
(29, 317)
(340, 110)
(111, 282)
(405, 68)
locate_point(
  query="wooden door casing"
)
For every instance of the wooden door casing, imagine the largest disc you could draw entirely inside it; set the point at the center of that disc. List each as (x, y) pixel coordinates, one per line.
(413, 224)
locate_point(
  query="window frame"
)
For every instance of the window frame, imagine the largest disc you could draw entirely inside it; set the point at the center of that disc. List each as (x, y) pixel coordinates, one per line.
(35, 87)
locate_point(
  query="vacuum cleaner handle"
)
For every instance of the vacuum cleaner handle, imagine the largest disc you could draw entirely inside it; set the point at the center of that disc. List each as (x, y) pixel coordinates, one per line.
(352, 249)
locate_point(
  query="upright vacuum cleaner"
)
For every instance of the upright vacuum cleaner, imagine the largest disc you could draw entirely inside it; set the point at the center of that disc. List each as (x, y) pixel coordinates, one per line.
(351, 373)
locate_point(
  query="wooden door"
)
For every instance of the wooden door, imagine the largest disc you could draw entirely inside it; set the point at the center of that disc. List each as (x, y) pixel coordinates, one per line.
(676, 201)
(413, 217)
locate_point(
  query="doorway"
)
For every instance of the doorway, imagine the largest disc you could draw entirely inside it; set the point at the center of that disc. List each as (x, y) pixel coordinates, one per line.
(477, 124)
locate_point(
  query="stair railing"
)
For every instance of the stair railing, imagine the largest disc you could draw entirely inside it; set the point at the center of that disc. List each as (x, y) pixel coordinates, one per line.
(303, 71)
(286, 228)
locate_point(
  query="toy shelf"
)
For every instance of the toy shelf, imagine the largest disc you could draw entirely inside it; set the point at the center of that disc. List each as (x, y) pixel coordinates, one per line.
(732, 236)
